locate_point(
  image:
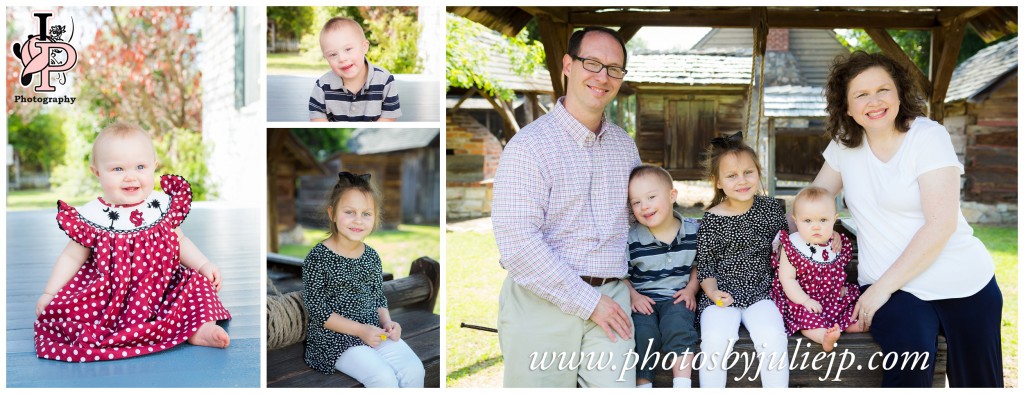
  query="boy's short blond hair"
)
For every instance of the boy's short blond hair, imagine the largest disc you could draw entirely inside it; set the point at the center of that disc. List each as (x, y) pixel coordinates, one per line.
(652, 170)
(336, 23)
(120, 129)
(812, 193)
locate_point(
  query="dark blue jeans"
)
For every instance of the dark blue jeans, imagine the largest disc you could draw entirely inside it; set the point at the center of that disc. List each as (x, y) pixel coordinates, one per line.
(669, 329)
(972, 329)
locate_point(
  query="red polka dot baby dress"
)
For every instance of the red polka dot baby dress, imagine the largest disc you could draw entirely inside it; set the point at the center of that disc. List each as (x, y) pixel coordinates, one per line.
(822, 278)
(132, 296)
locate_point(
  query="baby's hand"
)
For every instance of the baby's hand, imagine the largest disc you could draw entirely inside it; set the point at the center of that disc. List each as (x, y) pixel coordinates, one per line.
(721, 298)
(44, 300)
(393, 330)
(211, 272)
(812, 306)
(372, 336)
(640, 303)
(687, 296)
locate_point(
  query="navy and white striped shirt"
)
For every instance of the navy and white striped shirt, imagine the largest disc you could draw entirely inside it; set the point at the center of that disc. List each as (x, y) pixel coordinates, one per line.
(656, 269)
(378, 98)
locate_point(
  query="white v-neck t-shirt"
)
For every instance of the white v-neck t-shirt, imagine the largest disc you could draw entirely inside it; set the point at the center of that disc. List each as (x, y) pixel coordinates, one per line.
(885, 200)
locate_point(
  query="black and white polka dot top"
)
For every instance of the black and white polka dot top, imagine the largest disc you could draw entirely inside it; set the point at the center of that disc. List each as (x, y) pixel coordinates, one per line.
(736, 251)
(351, 288)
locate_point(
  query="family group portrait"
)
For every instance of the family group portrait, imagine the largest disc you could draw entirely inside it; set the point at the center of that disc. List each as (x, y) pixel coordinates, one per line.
(731, 197)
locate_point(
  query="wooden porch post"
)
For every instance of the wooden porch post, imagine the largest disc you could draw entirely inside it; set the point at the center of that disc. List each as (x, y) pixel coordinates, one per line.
(555, 37)
(756, 132)
(950, 37)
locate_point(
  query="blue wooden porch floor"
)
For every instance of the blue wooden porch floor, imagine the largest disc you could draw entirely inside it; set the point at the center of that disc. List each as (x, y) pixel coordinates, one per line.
(228, 236)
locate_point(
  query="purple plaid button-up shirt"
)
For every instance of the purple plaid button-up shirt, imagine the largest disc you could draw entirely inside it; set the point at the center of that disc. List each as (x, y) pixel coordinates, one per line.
(560, 208)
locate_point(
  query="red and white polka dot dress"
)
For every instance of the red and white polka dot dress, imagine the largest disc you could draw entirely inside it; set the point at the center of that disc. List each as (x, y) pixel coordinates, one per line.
(823, 279)
(132, 296)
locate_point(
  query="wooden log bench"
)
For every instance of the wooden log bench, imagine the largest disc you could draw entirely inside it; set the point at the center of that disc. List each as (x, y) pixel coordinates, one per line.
(411, 302)
(805, 372)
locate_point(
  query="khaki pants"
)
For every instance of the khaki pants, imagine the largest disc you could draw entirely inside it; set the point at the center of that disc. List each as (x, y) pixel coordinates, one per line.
(532, 330)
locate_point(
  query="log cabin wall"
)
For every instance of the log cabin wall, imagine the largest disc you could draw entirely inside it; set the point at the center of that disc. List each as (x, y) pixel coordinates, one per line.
(985, 137)
(675, 127)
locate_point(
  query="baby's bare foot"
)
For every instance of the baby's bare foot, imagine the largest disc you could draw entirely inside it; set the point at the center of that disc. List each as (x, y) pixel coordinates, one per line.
(210, 334)
(831, 337)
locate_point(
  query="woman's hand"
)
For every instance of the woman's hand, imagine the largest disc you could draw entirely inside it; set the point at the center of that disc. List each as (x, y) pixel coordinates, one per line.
(837, 243)
(870, 302)
(44, 300)
(372, 336)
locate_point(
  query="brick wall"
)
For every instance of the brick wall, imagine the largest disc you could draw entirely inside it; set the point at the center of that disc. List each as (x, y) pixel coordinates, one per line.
(472, 161)
(778, 40)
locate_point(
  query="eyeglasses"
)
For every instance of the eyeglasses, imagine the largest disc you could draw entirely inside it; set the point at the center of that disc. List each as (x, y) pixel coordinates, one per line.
(595, 66)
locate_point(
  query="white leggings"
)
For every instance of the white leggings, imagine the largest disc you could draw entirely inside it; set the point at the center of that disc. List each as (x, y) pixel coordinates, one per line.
(719, 329)
(392, 364)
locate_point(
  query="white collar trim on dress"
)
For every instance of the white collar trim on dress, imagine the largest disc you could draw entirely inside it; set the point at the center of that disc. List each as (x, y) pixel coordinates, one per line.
(129, 218)
(803, 248)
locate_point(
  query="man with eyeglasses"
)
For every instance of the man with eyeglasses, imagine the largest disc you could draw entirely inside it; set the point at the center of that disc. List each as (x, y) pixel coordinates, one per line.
(561, 223)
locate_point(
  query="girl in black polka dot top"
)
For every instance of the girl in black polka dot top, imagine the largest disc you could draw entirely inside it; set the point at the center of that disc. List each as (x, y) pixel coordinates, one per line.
(734, 265)
(350, 328)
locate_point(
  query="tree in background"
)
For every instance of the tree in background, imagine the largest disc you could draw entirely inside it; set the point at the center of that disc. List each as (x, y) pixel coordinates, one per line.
(288, 23)
(392, 32)
(37, 139)
(916, 44)
(324, 143)
(140, 68)
(465, 59)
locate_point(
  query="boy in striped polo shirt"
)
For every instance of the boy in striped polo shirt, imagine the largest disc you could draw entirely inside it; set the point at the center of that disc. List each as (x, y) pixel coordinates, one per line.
(355, 90)
(662, 277)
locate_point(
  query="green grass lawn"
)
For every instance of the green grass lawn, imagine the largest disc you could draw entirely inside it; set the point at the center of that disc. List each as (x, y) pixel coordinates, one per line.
(24, 200)
(1002, 244)
(293, 63)
(474, 277)
(397, 248)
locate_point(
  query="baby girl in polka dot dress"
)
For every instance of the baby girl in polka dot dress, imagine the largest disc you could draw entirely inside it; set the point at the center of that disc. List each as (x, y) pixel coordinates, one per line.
(129, 283)
(811, 289)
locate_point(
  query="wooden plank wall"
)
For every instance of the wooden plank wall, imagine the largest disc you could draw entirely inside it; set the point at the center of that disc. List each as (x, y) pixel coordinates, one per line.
(654, 119)
(990, 140)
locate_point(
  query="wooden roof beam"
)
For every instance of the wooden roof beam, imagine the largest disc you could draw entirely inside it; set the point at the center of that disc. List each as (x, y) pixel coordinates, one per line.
(739, 17)
(949, 14)
(557, 14)
(893, 50)
(628, 31)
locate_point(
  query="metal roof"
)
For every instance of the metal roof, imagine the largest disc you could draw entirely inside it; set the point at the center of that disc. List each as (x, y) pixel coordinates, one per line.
(691, 68)
(982, 70)
(794, 101)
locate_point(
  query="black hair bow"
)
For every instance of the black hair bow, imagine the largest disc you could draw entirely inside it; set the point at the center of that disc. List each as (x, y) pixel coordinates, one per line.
(725, 142)
(345, 175)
